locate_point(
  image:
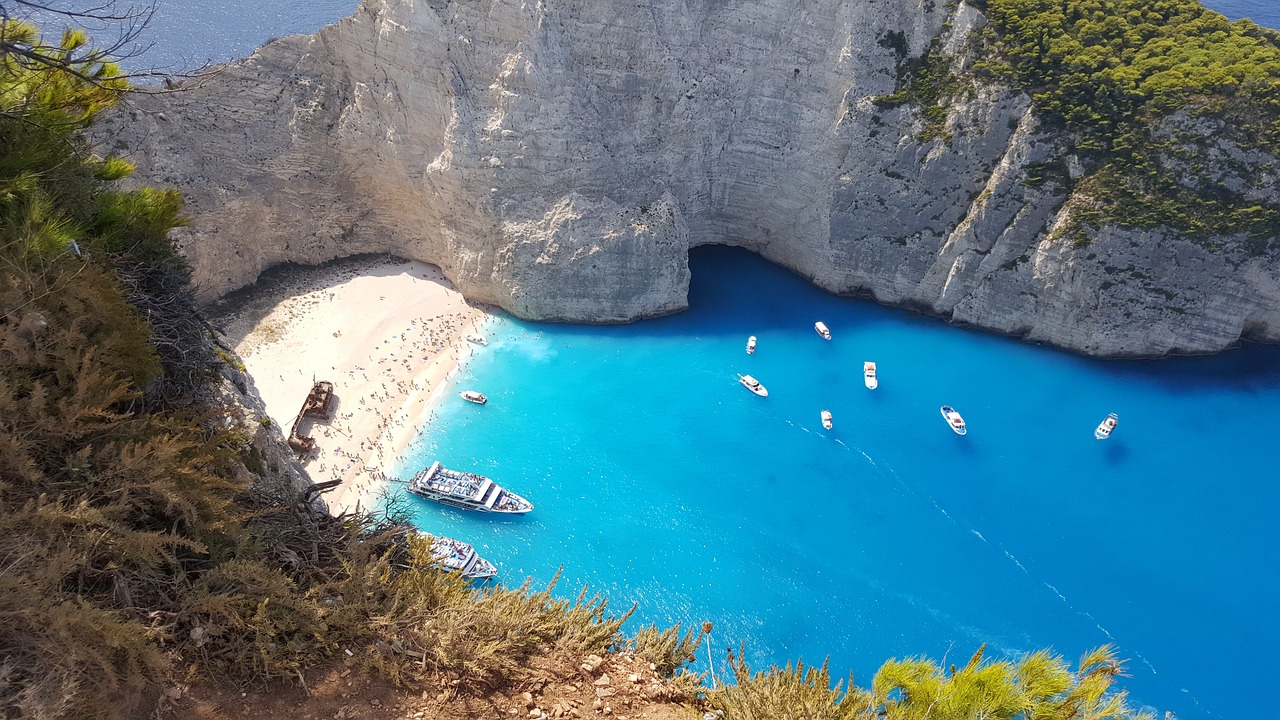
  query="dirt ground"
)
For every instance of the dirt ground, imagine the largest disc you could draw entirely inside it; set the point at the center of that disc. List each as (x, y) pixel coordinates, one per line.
(617, 687)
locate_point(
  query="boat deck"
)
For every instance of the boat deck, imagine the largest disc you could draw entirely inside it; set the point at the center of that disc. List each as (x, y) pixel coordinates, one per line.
(465, 489)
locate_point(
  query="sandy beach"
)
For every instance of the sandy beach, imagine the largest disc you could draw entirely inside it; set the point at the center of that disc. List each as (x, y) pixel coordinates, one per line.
(386, 333)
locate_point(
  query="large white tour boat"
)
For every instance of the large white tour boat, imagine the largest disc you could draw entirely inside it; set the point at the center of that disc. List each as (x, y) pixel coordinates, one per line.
(821, 328)
(477, 339)
(468, 491)
(462, 558)
(1105, 427)
(753, 385)
(869, 375)
(751, 344)
(953, 419)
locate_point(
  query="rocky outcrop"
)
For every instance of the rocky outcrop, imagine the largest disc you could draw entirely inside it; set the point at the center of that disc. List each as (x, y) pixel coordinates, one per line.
(559, 158)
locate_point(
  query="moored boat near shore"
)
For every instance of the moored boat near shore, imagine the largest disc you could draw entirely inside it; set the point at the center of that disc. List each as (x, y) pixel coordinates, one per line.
(753, 385)
(821, 328)
(954, 421)
(474, 396)
(465, 490)
(1103, 431)
(457, 556)
(869, 375)
(477, 339)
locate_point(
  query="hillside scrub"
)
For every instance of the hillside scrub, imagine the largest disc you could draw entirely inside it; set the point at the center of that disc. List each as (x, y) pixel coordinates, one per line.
(1141, 88)
(1038, 685)
(1155, 101)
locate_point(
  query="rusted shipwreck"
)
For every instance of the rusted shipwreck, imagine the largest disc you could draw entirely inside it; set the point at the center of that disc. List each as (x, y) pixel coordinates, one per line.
(319, 404)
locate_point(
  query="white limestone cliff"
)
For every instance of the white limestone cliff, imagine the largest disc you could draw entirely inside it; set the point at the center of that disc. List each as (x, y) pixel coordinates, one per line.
(559, 157)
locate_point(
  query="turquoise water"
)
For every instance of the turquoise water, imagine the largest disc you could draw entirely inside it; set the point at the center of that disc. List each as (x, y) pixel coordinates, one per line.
(657, 479)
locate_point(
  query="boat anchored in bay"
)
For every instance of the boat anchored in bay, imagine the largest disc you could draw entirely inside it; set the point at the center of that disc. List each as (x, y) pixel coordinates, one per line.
(465, 490)
(1103, 431)
(474, 396)
(753, 385)
(751, 344)
(459, 557)
(826, 419)
(954, 421)
(821, 328)
(869, 375)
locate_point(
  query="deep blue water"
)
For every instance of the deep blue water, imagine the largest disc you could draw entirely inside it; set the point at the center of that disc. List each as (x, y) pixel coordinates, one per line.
(186, 33)
(659, 480)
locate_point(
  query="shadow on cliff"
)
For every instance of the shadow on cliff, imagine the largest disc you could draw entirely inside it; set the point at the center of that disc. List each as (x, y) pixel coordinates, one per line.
(744, 294)
(1249, 368)
(237, 313)
(739, 293)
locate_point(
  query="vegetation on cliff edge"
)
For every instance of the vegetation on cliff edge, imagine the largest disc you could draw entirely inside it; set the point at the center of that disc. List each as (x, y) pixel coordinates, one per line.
(1159, 102)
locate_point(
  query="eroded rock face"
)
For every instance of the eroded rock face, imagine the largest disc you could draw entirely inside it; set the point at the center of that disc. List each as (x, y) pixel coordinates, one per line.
(558, 158)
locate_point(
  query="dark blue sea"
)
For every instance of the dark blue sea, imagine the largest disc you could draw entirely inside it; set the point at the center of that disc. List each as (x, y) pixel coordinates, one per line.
(659, 480)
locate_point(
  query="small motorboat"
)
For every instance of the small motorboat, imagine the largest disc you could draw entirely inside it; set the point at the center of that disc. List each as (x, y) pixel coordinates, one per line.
(1105, 427)
(477, 339)
(751, 344)
(753, 385)
(869, 375)
(474, 396)
(826, 419)
(822, 330)
(953, 419)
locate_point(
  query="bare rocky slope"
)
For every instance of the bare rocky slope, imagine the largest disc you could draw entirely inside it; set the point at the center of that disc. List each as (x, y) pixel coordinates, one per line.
(559, 158)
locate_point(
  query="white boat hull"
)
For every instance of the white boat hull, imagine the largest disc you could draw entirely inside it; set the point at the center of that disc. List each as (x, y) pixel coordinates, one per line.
(468, 491)
(822, 330)
(869, 375)
(753, 385)
(954, 421)
(826, 419)
(1103, 431)
(459, 557)
(751, 344)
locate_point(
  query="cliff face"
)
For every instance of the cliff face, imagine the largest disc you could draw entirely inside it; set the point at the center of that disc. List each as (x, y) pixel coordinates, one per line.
(559, 158)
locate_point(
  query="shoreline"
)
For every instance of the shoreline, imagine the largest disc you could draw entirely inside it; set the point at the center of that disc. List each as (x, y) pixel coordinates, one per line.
(386, 332)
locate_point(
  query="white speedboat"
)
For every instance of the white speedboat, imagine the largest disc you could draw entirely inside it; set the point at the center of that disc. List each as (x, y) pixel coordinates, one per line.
(753, 385)
(869, 375)
(821, 328)
(474, 396)
(1105, 427)
(468, 491)
(751, 344)
(953, 419)
(477, 339)
(826, 419)
(459, 557)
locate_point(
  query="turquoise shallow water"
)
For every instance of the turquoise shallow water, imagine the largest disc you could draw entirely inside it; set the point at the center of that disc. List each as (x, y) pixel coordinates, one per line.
(657, 479)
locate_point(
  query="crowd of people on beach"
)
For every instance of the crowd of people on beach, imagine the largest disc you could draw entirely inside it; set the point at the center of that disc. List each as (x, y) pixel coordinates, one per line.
(382, 387)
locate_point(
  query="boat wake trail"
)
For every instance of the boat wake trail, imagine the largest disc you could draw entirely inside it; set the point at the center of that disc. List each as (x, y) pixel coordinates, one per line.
(908, 489)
